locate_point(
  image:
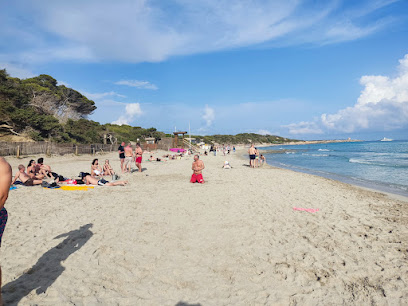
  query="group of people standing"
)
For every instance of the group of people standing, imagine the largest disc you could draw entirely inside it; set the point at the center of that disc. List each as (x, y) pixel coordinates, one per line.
(127, 156)
(255, 158)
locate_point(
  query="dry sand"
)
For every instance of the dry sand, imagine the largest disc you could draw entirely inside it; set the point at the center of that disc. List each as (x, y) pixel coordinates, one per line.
(235, 240)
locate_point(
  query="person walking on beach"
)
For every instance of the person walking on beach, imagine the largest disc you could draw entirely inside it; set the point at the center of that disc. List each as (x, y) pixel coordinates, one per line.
(251, 152)
(128, 158)
(121, 151)
(5, 180)
(198, 166)
(139, 154)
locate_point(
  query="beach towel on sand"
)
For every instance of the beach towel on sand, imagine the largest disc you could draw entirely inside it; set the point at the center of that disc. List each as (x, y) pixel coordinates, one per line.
(76, 187)
(311, 210)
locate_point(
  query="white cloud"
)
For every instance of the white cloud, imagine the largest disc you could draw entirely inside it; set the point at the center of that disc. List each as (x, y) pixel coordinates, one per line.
(131, 110)
(263, 132)
(209, 115)
(16, 70)
(382, 106)
(59, 82)
(98, 96)
(137, 84)
(303, 128)
(152, 31)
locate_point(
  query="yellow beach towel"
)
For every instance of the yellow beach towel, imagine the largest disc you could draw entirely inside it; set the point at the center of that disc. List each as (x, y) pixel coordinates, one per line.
(76, 187)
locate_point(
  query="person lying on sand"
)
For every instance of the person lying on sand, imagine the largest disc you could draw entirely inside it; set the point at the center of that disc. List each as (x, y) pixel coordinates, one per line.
(89, 180)
(24, 178)
(96, 170)
(154, 159)
(107, 168)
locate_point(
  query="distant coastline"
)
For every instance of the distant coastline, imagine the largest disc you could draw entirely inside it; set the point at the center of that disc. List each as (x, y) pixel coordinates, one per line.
(306, 142)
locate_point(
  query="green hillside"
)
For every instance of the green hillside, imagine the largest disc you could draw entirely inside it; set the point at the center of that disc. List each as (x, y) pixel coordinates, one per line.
(39, 109)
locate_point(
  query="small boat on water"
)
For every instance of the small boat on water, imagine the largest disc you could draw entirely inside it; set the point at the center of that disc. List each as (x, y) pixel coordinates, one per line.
(386, 139)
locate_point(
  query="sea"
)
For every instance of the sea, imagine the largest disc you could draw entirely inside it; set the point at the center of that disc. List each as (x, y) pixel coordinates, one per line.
(380, 165)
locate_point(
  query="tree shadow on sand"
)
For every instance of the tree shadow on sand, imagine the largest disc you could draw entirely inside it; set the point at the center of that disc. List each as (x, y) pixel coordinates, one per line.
(48, 268)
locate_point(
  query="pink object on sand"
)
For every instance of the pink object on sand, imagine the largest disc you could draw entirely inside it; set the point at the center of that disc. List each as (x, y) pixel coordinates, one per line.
(311, 210)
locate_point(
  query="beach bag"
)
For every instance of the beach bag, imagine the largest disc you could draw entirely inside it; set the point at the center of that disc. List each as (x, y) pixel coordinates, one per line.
(45, 184)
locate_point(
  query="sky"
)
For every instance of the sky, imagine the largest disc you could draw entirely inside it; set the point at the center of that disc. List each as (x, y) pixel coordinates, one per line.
(300, 69)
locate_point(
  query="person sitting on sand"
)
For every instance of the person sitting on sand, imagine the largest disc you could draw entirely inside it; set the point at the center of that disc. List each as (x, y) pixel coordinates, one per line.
(24, 178)
(40, 170)
(31, 168)
(89, 180)
(226, 165)
(197, 167)
(107, 168)
(96, 170)
(44, 171)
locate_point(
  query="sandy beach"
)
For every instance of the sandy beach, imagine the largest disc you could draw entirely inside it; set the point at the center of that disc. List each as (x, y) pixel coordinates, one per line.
(235, 240)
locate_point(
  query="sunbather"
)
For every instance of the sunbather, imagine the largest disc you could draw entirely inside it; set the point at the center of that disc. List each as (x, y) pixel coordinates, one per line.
(107, 168)
(24, 178)
(89, 180)
(96, 170)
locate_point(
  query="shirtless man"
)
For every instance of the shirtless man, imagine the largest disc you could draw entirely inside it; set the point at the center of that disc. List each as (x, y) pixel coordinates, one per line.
(128, 158)
(42, 170)
(5, 179)
(139, 154)
(24, 178)
(197, 167)
(89, 180)
(251, 152)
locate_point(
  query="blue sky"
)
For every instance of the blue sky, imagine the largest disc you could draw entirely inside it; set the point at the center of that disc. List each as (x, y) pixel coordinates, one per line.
(295, 68)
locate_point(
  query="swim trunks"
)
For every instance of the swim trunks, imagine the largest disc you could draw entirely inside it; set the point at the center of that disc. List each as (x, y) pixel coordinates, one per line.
(128, 160)
(139, 159)
(197, 178)
(29, 182)
(102, 182)
(3, 221)
(252, 156)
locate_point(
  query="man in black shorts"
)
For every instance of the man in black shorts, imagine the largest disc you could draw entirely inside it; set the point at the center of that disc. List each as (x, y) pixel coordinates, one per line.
(121, 151)
(252, 152)
(5, 181)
